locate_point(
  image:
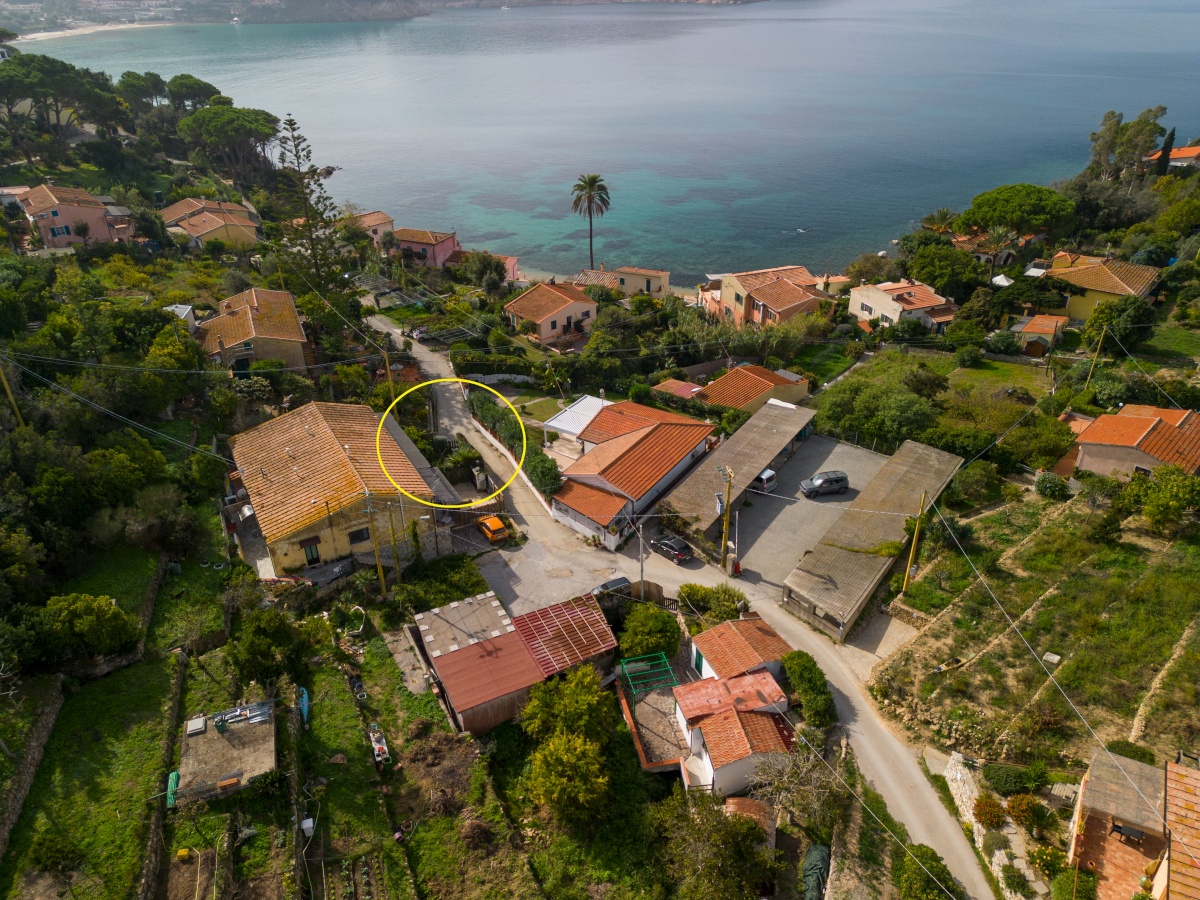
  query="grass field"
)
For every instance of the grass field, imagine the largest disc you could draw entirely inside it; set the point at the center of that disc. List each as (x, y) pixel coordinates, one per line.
(189, 605)
(1172, 340)
(17, 718)
(123, 573)
(94, 785)
(541, 409)
(826, 361)
(992, 376)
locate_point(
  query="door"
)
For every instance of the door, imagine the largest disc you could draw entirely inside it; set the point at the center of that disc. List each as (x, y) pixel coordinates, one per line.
(312, 555)
(699, 661)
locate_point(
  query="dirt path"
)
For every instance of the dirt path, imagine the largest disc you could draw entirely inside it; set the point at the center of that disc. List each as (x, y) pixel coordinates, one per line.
(1139, 721)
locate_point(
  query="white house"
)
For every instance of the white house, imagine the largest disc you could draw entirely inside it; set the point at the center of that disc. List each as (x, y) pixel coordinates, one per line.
(727, 746)
(895, 300)
(739, 646)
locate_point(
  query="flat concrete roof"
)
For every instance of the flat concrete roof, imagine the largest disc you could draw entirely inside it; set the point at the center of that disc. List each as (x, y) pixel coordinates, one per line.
(841, 573)
(245, 750)
(1129, 791)
(462, 623)
(747, 452)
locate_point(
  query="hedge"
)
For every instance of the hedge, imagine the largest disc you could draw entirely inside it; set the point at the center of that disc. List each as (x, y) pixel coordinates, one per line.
(542, 470)
(808, 681)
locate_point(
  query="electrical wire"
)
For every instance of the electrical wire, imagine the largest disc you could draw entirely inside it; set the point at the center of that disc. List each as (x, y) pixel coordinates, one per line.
(215, 371)
(1147, 377)
(1050, 675)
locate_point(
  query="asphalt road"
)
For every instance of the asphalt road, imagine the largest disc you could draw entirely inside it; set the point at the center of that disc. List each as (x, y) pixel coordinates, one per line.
(556, 565)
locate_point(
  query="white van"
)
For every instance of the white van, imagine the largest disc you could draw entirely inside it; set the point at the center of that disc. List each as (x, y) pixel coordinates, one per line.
(766, 480)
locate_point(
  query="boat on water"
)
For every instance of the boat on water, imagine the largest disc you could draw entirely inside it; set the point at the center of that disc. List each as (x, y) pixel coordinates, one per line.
(236, 21)
(503, 7)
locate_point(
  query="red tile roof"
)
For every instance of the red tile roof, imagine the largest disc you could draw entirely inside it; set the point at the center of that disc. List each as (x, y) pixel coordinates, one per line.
(762, 813)
(543, 300)
(751, 692)
(192, 205)
(422, 236)
(640, 270)
(634, 463)
(1172, 436)
(913, 294)
(1110, 276)
(206, 222)
(44, 197)
(256, 313)
(594, 503)
(732, 735)
(565, 634)
(784, 295)
(756, 278)
(621, 418)
(677, 388)
(1178, 153)
(1044, 324)
(737, 646)
(1183, 818)
(478, 673)
(370, 220)
(741, 386)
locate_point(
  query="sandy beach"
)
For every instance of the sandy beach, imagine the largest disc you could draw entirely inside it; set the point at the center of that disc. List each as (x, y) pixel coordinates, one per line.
(87, 29)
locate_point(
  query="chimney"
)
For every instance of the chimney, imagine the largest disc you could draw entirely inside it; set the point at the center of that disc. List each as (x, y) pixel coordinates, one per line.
(862, 282)
(253, 300)
(601, 267)
(221, 343)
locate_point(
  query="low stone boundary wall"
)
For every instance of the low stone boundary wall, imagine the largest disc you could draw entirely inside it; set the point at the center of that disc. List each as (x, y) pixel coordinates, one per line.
(502, 378)
(148, 885)
(22, 780)
(898, 609)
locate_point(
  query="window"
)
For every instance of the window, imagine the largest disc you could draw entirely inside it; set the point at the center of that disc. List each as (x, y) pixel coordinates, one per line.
(360, 536)
(586, 314)
(728, 313)
(554, 324)
(622, 282)
(737, 299)
(886, 320)
(54, 213)
(312, 555)
(647, 285)
(865, 308)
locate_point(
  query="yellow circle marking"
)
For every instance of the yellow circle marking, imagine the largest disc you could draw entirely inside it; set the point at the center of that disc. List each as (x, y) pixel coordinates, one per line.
(496, 493)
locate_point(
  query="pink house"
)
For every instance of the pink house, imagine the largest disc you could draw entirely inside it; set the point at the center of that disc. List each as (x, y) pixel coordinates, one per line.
(511, 272)
(58, 213)
(428, 248)
(376, 224)
(555, 311)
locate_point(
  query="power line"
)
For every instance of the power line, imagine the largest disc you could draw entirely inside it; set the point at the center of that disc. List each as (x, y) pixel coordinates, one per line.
(1041, 662)
(216, 371)
(1147, 377)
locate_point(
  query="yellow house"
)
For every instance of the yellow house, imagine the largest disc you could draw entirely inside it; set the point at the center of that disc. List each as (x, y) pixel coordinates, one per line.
(1100, 279)
(231, 228)
(255, 324)
(316, 488)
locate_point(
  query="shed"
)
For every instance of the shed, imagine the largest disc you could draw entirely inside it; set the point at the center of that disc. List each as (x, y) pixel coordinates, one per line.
(487, 682)
(577, 416)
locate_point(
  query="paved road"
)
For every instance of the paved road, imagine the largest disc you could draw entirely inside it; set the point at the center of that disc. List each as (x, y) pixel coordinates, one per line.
(556, 565)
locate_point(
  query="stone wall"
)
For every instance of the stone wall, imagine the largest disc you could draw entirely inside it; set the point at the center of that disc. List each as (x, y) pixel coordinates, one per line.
(22, 779)
(148, 885)
(898, 609)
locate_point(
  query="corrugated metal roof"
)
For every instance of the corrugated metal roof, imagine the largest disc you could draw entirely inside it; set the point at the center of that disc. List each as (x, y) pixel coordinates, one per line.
(482, 672)
(576, 417)
(565, 634)
(1183, 818)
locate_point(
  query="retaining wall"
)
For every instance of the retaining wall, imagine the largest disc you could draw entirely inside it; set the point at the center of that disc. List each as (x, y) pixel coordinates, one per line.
(22, 780)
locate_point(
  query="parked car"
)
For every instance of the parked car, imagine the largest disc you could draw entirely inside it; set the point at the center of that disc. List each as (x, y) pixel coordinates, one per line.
(825, 483)
(675, 549)
(493, 529)
(766, 481)
(620, 586)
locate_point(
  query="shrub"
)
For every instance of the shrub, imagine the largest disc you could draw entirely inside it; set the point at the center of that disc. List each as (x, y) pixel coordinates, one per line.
(1004, 343)
(1048, 860)
(649, 629)
(988, 812)
(1073, 885)
(1015, 881)
(1130, 750)
(967, 357)
(993, 841)
(1005, 780)
(807, 679)
(1037, 776)
(1052, 487)
(1022, 810)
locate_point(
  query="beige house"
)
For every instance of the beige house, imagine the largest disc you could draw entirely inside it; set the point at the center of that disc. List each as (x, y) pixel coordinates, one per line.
(255, 324)
(629, 280)
(376, 224)
(555, 310)
(767, 296)
(1138, 439)
(895, 300)
(1099, 279)
(315, 487)
(233, 230)
(190, 206)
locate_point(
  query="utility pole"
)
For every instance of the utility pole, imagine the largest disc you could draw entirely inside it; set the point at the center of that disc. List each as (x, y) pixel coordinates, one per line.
(912, 553)
(11, 399)
(392, 529)
(1096, 358)
(727, 474)
(375, 544)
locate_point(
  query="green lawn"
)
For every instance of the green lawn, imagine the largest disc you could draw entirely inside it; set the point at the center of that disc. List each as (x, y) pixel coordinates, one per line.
(97, 781)
(17, 718)
(542, 409)
(123, 573)
(189, 605)
(826, 361)
(992, 376)
(1172, 341)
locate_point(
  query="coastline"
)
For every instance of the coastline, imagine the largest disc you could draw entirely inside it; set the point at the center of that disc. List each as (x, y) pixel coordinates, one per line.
(87, 29)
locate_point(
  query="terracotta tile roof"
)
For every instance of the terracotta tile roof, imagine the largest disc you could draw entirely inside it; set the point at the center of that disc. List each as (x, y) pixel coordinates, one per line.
(758, 277)
(783, 295)
(762, 813)
(599, 505)
(1178, 153)
(250, 314)
(1183, 818)
(1110, 276)
(457, 257)
(635, 462)
(479, 673)
(588, 277)
(1172, 436)
(422, 236)
(626, 416)
(742, 385)
(752, 692)
(191, 205)
(293, 465)
(1077, 422)
(913, 294)
(731, 736)
(739, 645)
(677, 388)
(206, 222)
(1043, 324)
(370, 220)
(638, 270)
(565, 634)
(543, 300)
(45, 197)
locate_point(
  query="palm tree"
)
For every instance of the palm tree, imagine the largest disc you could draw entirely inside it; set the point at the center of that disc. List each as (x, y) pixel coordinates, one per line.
(996, 241)
(589, 197)
(940, 221)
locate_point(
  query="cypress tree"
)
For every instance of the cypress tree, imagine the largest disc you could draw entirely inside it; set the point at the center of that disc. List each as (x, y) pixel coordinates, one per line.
(1164, 156)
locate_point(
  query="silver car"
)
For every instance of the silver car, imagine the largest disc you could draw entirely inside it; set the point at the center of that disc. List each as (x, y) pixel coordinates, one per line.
(834, 482)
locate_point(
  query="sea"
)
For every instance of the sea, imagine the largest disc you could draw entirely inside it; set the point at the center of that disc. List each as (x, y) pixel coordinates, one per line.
(731, 137)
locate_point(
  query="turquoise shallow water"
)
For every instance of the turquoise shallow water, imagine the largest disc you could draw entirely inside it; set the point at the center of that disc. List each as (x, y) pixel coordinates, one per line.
(720, 129)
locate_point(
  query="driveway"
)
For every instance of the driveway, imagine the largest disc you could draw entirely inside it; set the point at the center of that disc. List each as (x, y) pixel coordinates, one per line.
(777, 529)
